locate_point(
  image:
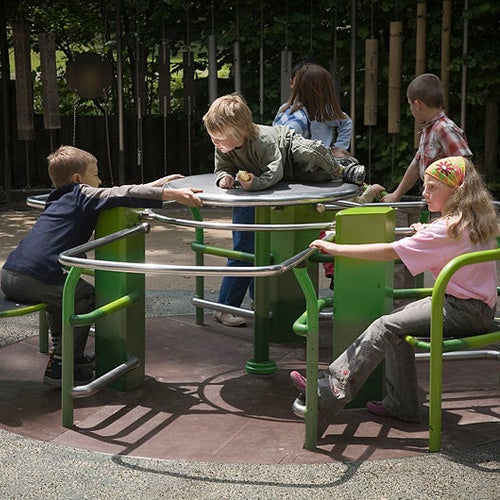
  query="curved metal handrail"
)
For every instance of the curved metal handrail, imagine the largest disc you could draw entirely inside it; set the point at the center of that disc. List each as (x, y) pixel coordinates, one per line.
(70, 258)
(149, 213)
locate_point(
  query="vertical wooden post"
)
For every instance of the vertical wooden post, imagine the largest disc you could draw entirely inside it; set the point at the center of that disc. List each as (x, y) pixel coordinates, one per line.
(445, 51)
(24, 83)
(50, 92)
(371, 81)
(395, 60)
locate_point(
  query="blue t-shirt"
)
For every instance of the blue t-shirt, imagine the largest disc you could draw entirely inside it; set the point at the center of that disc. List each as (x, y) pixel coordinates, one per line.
(68, 220)
(318, 131)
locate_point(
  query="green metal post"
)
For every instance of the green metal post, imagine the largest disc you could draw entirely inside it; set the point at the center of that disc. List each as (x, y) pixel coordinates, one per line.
(67, 382)
(363, 289)
(279, 300)
(121, 334)
(312, 355)
(200, 260)
(43, 332)
(260, 363)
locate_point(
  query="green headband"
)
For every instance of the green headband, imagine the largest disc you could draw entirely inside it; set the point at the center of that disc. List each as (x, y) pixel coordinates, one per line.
(449, 170)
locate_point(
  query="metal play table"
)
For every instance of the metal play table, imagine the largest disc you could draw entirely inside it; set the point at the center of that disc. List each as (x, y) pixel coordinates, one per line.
(278, 300)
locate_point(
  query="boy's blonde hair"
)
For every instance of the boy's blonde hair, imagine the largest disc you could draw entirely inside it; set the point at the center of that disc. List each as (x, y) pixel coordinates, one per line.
(65, 162)
(428, 89)
(229, 116)
(471, 207)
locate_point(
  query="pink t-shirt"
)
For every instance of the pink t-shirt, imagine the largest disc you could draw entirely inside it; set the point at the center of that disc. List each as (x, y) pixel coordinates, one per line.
(430, 249)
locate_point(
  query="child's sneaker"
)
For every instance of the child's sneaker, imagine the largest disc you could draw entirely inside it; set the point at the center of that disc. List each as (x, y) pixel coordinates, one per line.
(354, 174)
(229, 319)
(85, 361)
(53, 373)
(298, 381)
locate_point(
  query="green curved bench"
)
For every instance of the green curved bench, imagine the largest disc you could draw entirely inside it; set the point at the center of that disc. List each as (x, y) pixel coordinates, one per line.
(10, 308)
(437, 346)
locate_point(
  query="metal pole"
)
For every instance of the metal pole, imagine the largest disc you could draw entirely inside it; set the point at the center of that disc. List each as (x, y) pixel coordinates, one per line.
(119, 88)
(212, 69)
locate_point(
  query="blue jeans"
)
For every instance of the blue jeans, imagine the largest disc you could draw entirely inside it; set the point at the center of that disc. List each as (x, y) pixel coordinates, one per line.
(233, 289)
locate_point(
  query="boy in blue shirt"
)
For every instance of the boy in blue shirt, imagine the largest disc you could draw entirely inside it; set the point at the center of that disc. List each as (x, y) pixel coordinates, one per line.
(32, 272)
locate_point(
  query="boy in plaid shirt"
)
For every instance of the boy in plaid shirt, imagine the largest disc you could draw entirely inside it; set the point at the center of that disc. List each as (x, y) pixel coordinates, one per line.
(439, 135)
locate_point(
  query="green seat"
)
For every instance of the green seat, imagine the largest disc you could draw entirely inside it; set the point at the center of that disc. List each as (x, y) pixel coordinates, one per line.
(437, 346)
(10, 308)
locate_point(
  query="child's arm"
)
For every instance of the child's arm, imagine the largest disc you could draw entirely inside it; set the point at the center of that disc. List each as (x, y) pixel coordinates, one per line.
(186, 196)
(366, 251)
(344, 133)
(409, 179)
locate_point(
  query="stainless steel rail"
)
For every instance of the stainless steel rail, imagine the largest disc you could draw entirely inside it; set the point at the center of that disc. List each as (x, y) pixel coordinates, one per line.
(70, 258)
(151, 214)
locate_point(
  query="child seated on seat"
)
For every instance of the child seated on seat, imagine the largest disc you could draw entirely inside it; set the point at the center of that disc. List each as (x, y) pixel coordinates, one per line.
(467, 223)
(32, 272)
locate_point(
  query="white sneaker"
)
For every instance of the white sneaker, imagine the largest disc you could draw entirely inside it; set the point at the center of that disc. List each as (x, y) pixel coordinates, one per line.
(229, 319)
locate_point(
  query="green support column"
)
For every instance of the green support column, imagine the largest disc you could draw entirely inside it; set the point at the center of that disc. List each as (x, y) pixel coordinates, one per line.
(122, 333)
(260, 363)
(279, 300)
(363, 289)
(287, 300)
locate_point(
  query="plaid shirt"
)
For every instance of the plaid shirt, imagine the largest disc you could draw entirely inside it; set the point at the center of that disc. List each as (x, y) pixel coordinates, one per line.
(440, 137)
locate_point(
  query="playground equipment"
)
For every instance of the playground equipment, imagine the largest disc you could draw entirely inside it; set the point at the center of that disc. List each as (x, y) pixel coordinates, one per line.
(306, 325)
(10, 309)
(286, 220)
(437, 346)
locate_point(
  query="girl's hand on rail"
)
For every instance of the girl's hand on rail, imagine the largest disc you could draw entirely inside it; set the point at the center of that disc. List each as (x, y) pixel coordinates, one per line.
(163, 180)
(325, 246)
(186, 196)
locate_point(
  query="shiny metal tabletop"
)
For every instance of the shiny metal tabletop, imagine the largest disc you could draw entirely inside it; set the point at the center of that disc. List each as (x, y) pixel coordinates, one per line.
(283, 193)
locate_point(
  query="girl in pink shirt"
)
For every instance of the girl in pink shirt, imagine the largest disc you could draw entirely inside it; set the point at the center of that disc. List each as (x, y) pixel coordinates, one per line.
(468, 223)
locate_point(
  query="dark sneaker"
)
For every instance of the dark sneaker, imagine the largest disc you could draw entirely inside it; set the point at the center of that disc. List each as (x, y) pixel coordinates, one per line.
(354, 174)
(87, 360)
(53, 373)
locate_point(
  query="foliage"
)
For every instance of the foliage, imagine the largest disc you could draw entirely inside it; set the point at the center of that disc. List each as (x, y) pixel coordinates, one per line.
(319, 30)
